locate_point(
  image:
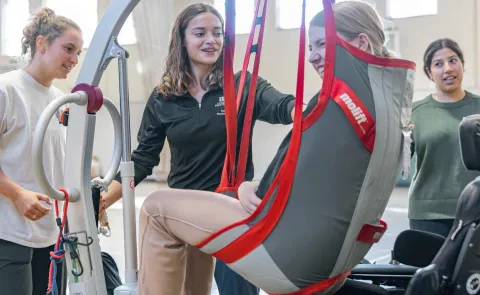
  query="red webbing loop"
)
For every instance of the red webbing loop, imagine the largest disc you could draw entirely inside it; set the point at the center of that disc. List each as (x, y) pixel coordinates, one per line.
(320, 286)
(372, 233)
(57, 244)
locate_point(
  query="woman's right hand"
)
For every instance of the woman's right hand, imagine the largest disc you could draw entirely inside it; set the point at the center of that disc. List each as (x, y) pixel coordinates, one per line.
(101, 212)
(107, 199)
(28, 203)
(247, 194)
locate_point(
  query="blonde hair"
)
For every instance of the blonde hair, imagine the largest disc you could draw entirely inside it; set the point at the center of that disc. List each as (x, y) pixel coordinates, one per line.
(355, 17)
(47, 24)
(178, 75)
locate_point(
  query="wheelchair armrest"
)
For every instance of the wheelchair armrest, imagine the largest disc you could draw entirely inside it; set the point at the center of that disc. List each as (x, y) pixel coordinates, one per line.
(383, 272)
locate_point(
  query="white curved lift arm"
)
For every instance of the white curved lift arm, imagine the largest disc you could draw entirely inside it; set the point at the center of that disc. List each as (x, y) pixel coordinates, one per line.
(79, 98)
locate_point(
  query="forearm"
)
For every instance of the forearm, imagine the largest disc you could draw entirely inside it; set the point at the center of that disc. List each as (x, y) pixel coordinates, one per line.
(143, 164)
(114, 193)
(8, 187)
(140, 174)
(273, 106)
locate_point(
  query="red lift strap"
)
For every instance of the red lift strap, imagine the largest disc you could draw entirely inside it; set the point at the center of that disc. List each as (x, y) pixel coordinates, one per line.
(257, 49)
(229, 92)
(234, 171)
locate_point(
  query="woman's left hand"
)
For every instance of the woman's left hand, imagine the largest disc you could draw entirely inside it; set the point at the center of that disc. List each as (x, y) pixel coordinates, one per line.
(293, 111)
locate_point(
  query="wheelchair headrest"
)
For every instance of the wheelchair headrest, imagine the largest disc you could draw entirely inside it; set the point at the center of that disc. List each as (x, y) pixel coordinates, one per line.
(470, 142)
(417, 248)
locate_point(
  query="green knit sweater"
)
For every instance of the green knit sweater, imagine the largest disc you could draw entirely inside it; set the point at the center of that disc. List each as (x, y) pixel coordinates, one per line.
(440, 174)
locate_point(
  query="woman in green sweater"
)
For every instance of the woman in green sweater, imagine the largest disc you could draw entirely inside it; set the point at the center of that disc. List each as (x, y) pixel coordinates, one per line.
(440, 174)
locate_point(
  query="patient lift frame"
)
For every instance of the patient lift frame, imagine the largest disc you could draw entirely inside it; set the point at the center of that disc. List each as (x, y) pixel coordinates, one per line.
(86, 99)
(85, 272)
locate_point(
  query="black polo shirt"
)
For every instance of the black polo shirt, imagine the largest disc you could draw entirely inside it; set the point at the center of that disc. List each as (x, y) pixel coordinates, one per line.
(196, 133)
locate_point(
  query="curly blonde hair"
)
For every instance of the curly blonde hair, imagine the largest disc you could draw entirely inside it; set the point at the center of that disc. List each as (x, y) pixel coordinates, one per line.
(178, 75)
(44, 23)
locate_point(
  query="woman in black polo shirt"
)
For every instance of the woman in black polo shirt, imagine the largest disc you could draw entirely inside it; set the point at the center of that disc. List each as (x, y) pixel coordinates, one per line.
(187, 108)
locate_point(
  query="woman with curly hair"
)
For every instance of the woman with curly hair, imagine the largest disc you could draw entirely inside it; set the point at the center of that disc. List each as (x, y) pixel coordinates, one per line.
(28, 230)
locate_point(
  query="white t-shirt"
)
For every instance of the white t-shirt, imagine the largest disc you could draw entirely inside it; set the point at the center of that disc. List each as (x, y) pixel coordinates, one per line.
(22, 101)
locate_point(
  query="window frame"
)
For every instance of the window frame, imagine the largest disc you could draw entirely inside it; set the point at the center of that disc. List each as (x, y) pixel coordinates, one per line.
(5, 43)
(3, 28)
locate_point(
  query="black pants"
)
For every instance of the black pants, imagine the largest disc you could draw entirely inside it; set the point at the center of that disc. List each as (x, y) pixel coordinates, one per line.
(437, 226)
(25, 270)
(231, 283)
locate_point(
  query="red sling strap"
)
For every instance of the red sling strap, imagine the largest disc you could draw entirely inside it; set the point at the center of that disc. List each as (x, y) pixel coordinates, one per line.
(234, 171)
(257, 49)
(229, 90)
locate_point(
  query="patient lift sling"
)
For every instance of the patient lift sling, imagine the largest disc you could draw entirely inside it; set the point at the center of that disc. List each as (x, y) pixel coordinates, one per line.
(87, 99)
(364, 98)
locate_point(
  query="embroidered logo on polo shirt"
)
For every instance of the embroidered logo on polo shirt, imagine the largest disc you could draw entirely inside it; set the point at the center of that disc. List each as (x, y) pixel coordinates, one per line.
(221, 104)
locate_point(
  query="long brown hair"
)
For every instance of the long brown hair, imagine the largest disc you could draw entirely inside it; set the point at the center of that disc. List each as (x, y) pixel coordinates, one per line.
(355, 17)
(178, 75)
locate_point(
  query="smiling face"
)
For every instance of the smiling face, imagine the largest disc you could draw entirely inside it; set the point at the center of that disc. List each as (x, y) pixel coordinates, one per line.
(316, 36)
(203, 39)
(59, 56)
(446, 70)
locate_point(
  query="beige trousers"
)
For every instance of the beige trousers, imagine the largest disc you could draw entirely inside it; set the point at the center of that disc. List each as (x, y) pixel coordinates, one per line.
(171, 221)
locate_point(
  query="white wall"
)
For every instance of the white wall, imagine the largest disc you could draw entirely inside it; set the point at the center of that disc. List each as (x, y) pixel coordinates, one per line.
(455, 19)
